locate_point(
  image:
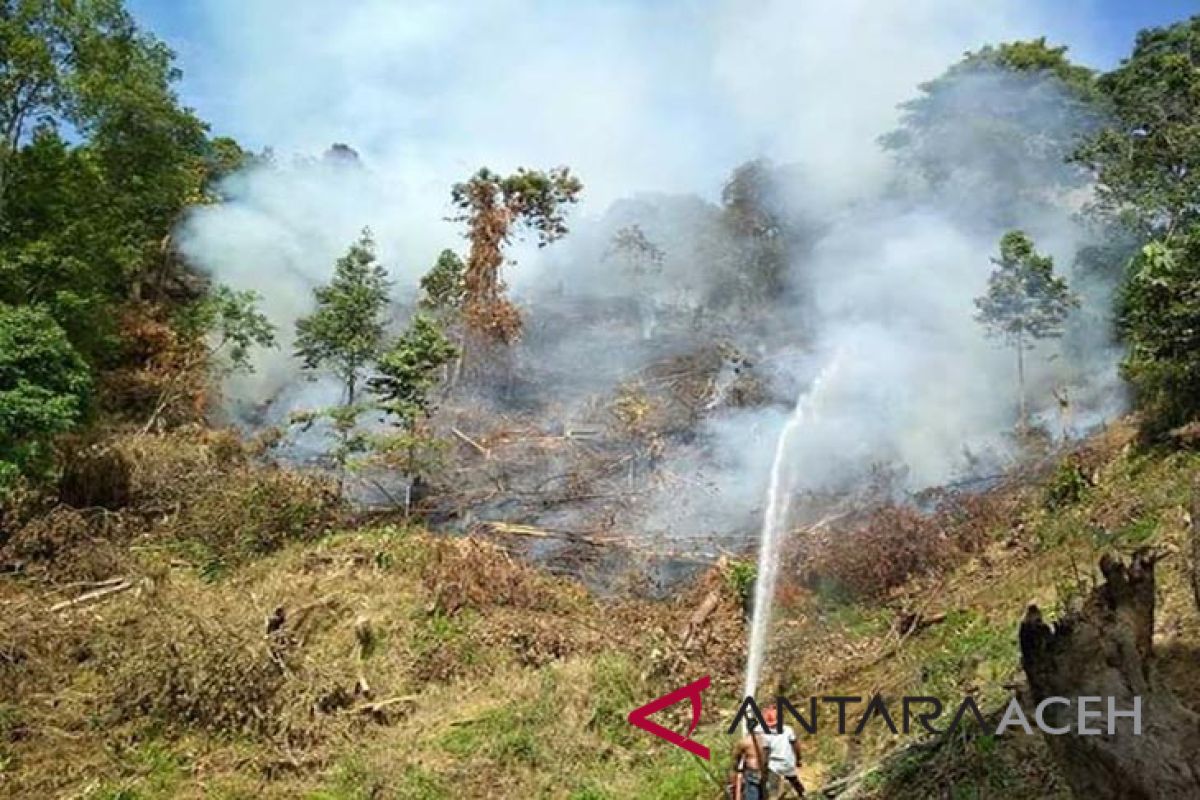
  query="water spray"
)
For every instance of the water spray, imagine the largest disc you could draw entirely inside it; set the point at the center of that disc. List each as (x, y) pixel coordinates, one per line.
(774, 525)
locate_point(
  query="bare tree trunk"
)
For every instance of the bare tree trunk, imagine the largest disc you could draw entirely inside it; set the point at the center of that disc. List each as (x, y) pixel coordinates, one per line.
(1104, 650)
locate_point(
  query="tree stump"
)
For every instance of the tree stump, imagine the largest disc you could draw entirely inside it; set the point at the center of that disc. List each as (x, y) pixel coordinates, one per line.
(1104, 650)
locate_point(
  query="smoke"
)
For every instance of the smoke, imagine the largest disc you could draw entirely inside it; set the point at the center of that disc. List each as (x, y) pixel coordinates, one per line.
(653, 105)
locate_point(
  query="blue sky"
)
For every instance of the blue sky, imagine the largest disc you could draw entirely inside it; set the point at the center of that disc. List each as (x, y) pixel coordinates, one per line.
(636, 95)
(205, 35)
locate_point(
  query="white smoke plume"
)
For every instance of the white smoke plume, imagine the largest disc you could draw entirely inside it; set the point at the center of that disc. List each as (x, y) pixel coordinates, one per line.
(658, 102)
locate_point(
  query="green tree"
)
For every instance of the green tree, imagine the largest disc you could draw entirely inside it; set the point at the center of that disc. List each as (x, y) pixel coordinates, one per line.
(1147, 159)
(409, 369)
(495, 208)
(997, 129)
(345, 333)
(1146, 162)
(44, 390)
(1161, 322)
(404, 377)
(1025, 301)
(97, 161)
(344, 336)
(444, 287)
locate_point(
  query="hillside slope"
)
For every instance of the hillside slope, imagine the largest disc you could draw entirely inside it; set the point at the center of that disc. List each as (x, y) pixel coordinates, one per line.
(232, 633)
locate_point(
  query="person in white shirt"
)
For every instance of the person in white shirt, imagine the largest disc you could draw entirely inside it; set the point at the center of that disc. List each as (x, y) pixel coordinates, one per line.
(783, 753)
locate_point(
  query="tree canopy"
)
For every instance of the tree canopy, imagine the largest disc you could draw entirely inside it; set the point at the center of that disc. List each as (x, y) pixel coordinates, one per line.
(997, 129)
(1025, 301)
(345, 333)
(496, 208)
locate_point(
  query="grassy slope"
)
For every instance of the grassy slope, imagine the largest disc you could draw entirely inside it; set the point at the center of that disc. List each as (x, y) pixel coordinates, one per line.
(504, 683)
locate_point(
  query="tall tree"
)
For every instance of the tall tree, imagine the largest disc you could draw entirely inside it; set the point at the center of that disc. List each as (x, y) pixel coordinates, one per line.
(495, 208)
(344, 336)
(642, 261)
(1147, 167)
(1025, 301)
(752, 217)
(1147, 159)
(97, 161)
(345, 333)
(995, 131)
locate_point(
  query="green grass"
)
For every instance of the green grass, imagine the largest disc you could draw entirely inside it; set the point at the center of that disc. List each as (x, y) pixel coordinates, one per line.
(351, 779)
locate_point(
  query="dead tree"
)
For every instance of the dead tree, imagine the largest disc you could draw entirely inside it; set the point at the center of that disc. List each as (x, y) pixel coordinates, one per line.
(1104, 650)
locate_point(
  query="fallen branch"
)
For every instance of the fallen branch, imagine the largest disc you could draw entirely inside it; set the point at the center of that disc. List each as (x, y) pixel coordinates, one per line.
(541, 533)
(376, 708)
(87, 597)
(480, 448)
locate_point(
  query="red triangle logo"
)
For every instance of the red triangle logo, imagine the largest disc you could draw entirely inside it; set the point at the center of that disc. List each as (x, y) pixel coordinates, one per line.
(639, 717)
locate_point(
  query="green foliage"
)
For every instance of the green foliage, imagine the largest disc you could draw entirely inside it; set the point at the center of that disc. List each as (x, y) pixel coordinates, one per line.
(681, 778)
(998, 127)
(1147, 159)
(1025, 300)
(1161, 321)
(408, 370)
(740, 579)
(444, 287)
(972, 651)
(44, 389)
(615, 688)
(344, 334)
(232, 323)
(352, 779)
(1036, 57)
(1067, 486)
(96, 163)
(1147, 164)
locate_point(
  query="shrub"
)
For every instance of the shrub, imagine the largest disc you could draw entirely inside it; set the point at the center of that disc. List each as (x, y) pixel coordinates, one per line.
(257, 512)
(44, 390)
(66, 544)
(213, 670)
(1067, 486)
(469, 574)
(865, 561)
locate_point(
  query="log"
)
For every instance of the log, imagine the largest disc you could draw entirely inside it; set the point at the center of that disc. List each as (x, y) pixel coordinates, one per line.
(1104, 649)
(87, 597)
